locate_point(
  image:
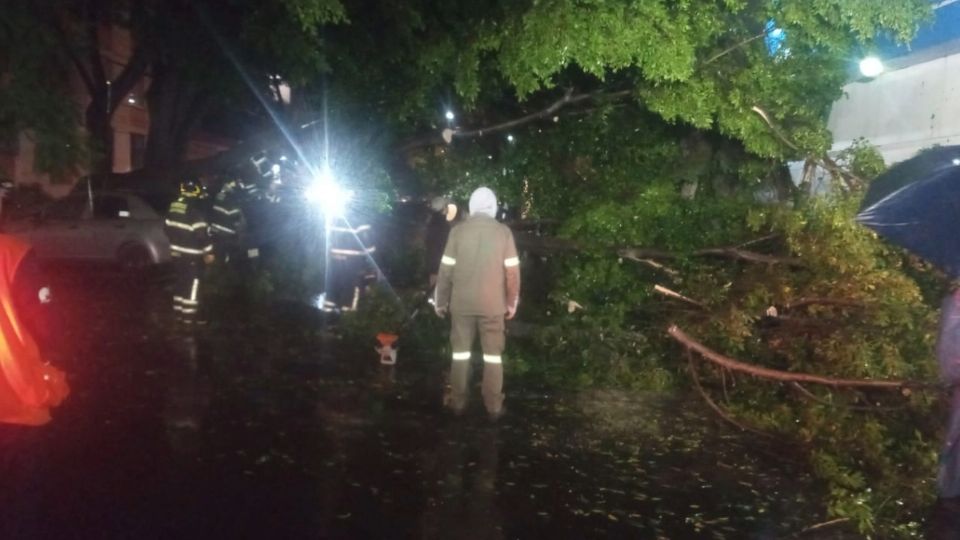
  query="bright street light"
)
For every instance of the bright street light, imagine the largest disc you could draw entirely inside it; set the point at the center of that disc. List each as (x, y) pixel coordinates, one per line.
(509, 138)
(325, 192)
(450, 116)
(871, 66)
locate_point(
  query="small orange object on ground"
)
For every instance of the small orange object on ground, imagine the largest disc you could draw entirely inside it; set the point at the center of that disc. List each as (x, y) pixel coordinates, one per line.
(388, 353)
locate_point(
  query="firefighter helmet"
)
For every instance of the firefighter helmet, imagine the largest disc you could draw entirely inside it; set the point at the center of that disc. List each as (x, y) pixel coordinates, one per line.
(191, 188)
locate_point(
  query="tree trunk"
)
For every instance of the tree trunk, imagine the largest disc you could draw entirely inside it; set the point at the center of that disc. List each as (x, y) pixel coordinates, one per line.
(176, 107)
(101, 135)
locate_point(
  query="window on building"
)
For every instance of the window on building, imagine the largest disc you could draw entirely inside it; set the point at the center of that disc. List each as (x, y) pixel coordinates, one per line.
(138, 150)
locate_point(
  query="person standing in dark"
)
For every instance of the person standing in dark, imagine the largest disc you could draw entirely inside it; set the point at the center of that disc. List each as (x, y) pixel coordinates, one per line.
(351, 262)
(191, 248)
(226, 222)
(438, 229)
(479, 286)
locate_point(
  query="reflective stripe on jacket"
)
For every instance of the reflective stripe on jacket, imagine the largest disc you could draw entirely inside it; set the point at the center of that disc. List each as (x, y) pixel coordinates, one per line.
(187, 228)
(348, 241)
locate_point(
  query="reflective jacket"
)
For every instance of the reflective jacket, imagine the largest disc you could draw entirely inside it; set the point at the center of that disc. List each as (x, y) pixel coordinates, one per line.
(187, 229)
(226, 219)
(28, 385)
(479, 270)
(351, 242)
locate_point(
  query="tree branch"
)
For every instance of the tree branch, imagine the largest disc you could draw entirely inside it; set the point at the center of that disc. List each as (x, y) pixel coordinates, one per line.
(732, 48)
(654, 264)
(71, 53)
(840, 302)
(725, 252)
(817, 399)
(786, 376)
(712, 404)
(636, 253)
(132, 73)
(548, 245)
(824, 161)
(825, 524)
(673, 294)
(772, 236)
(96, 62)
(568, 99)
(750, 256)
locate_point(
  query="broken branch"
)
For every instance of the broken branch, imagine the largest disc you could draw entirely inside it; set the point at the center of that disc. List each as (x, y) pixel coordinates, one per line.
(712, 404)
(785, 376)
(840, 302)
(674, 294)
(568, 99)
(817, 399)
(750, 256)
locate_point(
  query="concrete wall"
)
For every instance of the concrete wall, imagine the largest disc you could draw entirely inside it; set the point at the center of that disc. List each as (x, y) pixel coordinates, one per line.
(902, 111)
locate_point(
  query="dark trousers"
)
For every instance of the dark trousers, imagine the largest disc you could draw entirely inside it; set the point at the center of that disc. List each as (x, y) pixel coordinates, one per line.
(345, 280)
(186, 290)
(227, 249)
(463, 332)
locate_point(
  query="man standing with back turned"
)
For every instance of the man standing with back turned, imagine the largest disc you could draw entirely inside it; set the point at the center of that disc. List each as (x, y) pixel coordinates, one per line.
(479, 284)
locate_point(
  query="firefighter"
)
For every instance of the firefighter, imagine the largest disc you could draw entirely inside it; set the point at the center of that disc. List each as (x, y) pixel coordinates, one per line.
(479, 285)
(191, 249)
(227, 221)
(351, 252)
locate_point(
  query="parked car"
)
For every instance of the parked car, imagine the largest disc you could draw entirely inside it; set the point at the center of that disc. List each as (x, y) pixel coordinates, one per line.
(103, 227)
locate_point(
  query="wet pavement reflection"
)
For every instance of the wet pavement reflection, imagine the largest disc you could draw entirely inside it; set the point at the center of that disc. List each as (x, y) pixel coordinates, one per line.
(264, 427)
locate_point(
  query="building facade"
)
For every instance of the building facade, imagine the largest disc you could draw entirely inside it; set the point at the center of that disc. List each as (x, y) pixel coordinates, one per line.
(130, 122)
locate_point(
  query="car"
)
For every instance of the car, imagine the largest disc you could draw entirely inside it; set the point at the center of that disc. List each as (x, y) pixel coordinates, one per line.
(101, 227)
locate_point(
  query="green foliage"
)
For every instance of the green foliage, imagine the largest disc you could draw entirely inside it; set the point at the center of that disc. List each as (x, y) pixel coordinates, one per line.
(599, 322)
(406, 314)
(695, 62)
(34, 94)
(862, 159)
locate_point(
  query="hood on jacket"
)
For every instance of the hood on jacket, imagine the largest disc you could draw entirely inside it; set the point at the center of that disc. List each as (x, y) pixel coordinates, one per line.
(483, 201)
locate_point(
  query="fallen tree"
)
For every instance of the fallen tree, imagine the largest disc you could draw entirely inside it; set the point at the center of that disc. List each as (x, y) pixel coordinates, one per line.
(785, 376)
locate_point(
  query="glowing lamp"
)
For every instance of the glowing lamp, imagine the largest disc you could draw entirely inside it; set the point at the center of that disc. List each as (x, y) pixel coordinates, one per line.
(871, 66)
(328, 195)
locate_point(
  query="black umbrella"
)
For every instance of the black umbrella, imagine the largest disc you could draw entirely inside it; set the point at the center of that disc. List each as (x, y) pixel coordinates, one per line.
(916, 205)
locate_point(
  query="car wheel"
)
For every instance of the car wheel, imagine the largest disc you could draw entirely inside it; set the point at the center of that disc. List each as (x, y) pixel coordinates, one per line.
(133, 258)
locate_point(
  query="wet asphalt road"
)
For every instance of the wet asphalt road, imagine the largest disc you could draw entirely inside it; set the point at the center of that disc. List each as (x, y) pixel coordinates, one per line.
(264, 427)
